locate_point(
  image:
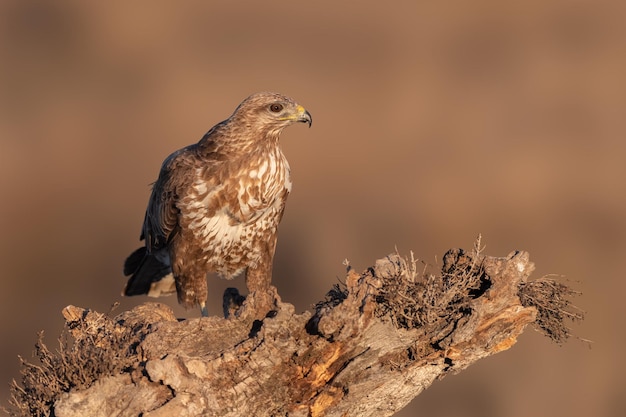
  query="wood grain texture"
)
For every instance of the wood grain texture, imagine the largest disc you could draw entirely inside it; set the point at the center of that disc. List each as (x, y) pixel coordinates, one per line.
(367, 350)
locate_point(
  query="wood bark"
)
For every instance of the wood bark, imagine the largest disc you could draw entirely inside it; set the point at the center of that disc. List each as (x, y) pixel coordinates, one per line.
(367, 350)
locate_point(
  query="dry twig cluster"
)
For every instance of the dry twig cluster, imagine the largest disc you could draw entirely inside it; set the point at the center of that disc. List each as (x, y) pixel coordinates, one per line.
(88, 350)
(552, 299)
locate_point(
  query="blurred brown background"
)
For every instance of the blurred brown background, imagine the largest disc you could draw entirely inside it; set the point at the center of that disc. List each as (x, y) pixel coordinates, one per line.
(433, 122)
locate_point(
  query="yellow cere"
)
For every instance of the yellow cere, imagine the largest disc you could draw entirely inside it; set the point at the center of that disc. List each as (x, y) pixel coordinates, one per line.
(300, 110)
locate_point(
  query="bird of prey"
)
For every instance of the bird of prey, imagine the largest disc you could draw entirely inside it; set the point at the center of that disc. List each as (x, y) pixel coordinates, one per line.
(216, 205)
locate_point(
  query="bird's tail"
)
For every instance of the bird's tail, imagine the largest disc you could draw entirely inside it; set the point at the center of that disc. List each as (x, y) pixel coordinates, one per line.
(150, 273)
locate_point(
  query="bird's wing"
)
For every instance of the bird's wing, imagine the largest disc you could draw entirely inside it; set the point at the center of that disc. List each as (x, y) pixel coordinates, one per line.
(161, 220)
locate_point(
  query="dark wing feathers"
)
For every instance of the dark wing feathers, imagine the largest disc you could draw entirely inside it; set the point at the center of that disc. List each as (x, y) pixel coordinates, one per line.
(145, 270)
(133, 262)
(161, 220)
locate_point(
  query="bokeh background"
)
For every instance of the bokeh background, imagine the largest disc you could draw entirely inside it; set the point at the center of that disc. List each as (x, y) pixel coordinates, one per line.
(433, 122)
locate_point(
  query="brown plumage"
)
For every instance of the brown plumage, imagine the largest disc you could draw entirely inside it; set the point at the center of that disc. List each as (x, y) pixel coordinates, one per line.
(216, 206)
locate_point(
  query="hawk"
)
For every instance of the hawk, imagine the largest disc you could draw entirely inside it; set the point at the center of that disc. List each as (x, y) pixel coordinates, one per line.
(216, 205)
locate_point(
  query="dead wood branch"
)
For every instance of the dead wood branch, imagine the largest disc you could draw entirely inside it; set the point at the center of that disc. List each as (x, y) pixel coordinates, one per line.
(367, 350)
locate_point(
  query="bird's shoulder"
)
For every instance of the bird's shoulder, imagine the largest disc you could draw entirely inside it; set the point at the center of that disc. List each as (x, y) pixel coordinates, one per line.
(181, 167)
(180, 160)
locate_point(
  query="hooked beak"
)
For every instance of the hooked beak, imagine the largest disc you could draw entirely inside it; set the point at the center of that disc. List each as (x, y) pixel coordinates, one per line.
(304, 116)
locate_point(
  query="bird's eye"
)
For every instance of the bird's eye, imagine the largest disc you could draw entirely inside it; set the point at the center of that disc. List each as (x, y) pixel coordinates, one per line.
(276, 107)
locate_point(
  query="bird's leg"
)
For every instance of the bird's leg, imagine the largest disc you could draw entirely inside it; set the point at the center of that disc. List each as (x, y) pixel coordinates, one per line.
(262, 296)
(203, 309)
(190, 279)
(259, 276)
(258, 279)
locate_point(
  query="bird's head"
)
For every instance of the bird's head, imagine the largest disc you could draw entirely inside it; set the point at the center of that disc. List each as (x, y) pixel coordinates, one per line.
(269, 113)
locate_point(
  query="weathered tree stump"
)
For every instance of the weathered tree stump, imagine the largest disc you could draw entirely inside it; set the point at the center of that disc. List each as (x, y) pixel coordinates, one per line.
(373, 345)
